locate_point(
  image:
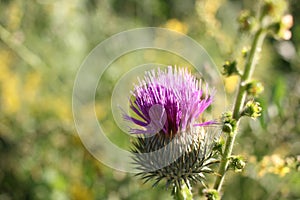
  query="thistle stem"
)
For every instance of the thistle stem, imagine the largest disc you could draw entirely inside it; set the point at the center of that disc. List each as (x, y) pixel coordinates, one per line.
(183, 193)
(239, 103)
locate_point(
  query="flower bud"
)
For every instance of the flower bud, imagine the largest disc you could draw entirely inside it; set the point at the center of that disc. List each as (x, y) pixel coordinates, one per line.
(254, 88)
(236, 163)
(211, 194)
(230, 68)
(246, 21)
(252, 109)
(229, 124)
(227, 128)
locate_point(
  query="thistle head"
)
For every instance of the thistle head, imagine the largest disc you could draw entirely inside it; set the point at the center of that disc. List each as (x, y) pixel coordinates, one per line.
(172, 144)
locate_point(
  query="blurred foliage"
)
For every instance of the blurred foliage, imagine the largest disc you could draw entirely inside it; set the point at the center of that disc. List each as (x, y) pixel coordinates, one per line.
(42, 44)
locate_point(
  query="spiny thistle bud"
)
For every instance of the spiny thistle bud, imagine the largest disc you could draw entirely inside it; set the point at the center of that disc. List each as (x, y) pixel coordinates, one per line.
(254, 88)
(246, 21)
(236, 163)
(171, 145)
(252, 109)
(211, 194)
(229, 124)
(230, 68)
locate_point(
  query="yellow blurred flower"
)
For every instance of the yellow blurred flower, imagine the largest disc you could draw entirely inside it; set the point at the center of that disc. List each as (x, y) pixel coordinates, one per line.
(176, 25)
(9, 83)
(10, 94)
(31, 86)
(231, 83)
(100, 110)
(207, 12)
(80, 192)
(273, 164)
(5, 60)
(61, 107)
(15, 14)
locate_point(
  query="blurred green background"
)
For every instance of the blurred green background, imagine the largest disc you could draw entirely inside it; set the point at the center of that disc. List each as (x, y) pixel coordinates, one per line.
(44, 42)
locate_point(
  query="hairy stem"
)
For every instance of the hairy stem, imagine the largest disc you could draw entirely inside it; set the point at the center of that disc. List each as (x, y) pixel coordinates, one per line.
(239, 103)
(248, 72)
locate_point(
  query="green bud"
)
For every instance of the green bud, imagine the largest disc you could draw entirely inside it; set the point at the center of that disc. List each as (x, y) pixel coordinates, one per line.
(230, 68)
(236, 163)
(254, 88)
(252, 109)
(246, 21)
(211, 194)
(229, 124)
(227, 128)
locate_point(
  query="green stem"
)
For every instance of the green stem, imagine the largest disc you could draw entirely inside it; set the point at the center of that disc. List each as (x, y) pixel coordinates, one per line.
(184, 193)
(248, 72)
(239, 103)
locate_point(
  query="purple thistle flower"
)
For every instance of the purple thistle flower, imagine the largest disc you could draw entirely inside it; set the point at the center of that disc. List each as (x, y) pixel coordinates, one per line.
(168, 102)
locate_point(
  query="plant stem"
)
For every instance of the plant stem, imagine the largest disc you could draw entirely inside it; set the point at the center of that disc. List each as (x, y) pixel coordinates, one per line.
(184, 193)
(239, 103)
(248, 72)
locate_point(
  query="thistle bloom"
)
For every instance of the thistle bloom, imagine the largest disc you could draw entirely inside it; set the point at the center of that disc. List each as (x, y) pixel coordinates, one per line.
(168, 101)
(172, 144)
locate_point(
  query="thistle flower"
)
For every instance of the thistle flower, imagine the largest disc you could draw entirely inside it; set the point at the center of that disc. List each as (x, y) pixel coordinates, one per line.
(172, 145)
(169, 101)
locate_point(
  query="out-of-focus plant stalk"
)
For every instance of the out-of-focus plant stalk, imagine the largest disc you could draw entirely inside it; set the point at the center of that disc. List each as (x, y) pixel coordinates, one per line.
(239, 103)
(27, 55)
